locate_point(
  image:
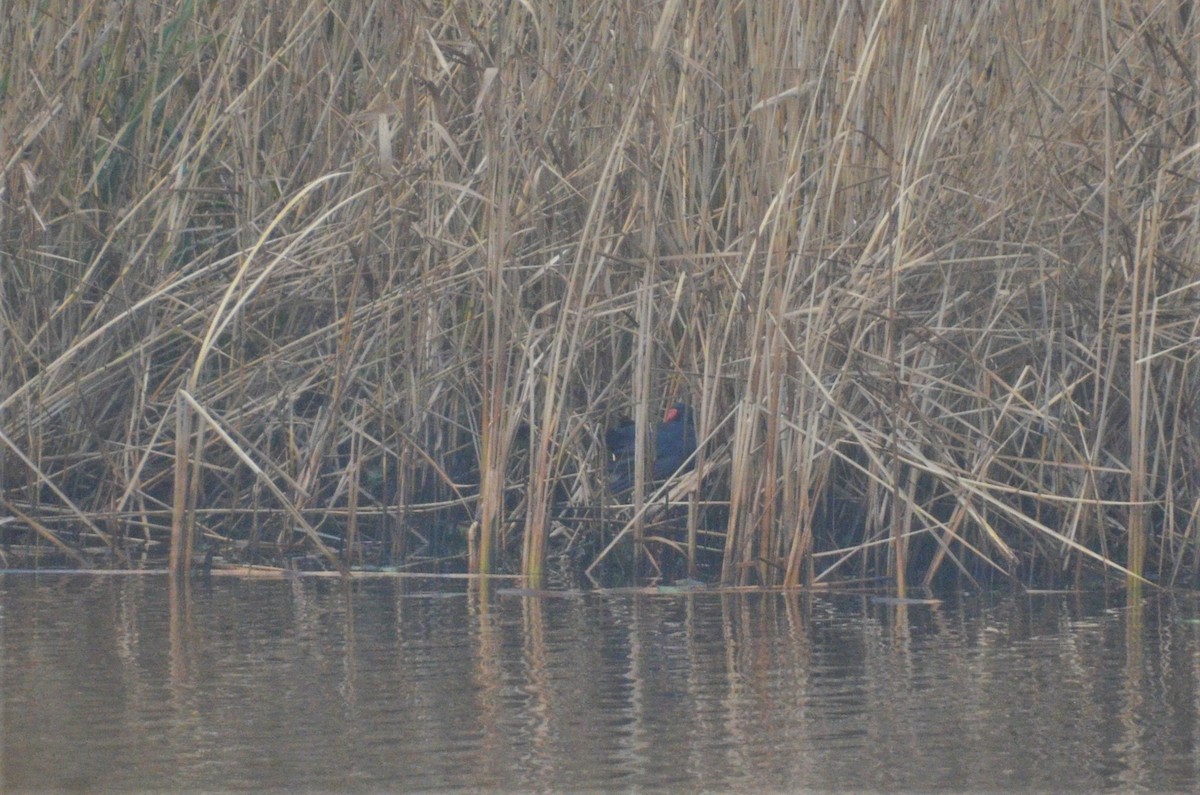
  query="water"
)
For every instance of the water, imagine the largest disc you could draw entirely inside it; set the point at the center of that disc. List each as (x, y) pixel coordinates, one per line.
(109, 682)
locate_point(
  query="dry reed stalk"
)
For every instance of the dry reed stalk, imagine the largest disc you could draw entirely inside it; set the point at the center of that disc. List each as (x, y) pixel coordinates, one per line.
(935, 263)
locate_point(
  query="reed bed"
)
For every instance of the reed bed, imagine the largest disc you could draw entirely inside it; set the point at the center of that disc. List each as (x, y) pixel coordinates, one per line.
(276, 279)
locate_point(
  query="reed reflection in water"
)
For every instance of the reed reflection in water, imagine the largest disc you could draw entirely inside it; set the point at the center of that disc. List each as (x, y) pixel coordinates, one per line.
(121, 682)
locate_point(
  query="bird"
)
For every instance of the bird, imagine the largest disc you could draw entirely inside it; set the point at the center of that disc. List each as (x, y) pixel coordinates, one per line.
(674, 443)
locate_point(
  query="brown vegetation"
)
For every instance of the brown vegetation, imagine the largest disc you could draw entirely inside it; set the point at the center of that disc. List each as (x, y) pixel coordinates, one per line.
(927, 271)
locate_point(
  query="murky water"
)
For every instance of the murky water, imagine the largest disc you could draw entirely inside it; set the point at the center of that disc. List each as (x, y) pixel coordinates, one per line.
(109, 682)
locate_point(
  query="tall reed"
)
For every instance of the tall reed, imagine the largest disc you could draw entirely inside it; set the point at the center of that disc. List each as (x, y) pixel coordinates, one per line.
(926, 271)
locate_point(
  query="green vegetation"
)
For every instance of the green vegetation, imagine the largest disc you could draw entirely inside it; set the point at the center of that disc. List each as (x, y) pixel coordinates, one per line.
(278, 277)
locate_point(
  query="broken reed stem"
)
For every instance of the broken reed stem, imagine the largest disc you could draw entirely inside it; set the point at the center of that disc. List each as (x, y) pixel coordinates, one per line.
(182, 521)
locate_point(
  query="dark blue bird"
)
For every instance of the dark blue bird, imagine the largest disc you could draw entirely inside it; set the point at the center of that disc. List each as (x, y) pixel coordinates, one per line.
(674, 442)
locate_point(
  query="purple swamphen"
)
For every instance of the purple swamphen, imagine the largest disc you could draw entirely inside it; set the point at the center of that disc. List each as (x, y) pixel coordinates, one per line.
(674, 442)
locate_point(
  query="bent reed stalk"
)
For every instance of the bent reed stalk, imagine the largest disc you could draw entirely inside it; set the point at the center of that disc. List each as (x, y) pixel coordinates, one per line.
(275, 280)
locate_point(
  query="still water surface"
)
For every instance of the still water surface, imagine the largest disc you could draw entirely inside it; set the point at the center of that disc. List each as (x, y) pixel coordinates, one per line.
(113, 683)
